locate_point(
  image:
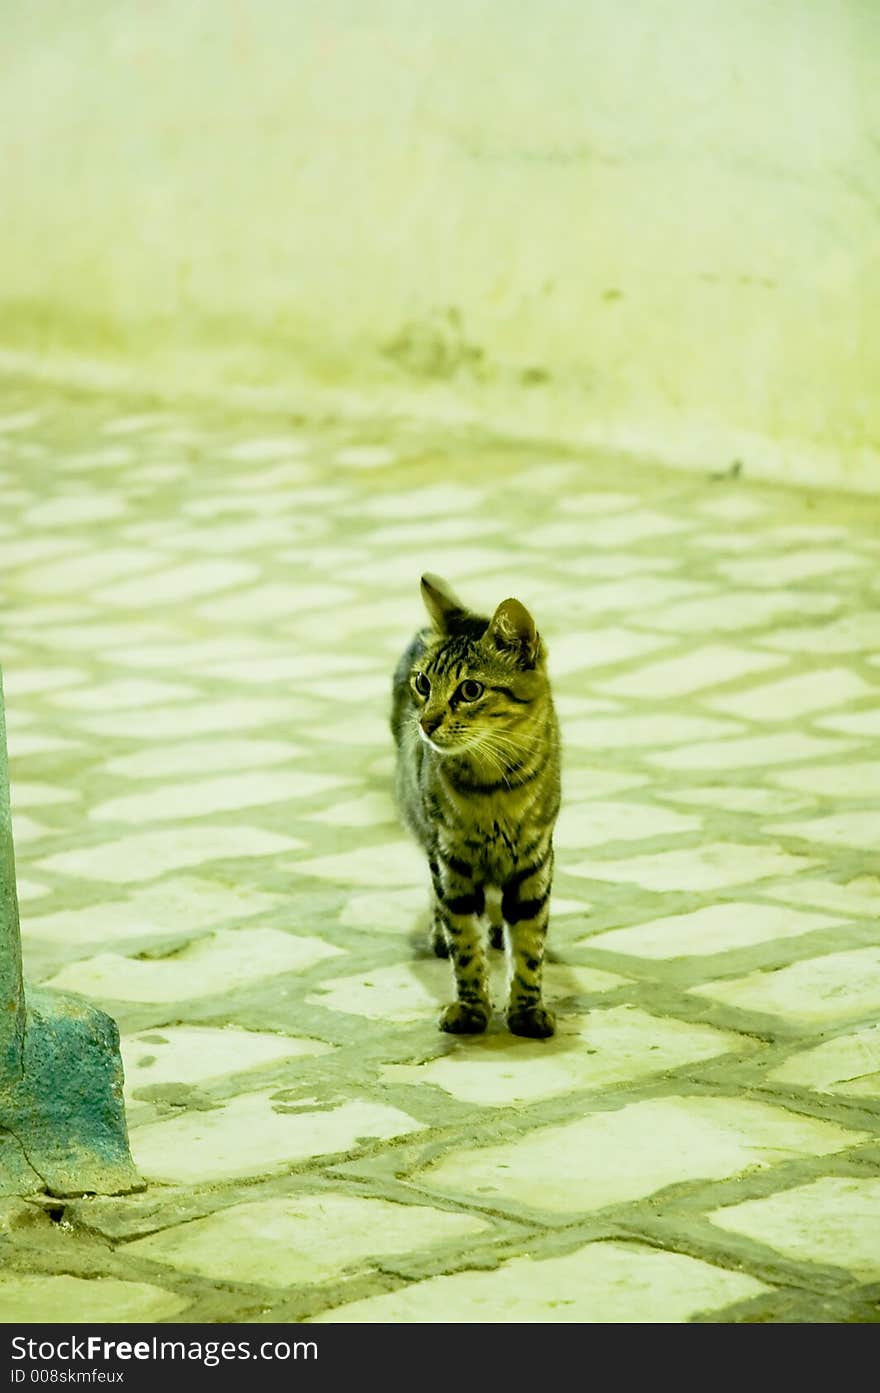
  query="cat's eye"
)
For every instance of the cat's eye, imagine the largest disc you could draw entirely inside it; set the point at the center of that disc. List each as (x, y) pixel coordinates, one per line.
(470, 690)
(421, 684)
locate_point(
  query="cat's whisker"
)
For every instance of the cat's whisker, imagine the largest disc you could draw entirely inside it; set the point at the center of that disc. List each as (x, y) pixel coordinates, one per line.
(504, 745)
(484, 750)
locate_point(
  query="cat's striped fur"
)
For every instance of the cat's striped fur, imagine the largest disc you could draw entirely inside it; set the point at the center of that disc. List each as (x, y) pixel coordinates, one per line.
(477, 782)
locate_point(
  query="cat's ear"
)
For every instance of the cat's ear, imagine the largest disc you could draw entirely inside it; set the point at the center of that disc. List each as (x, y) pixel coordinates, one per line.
(443, 605)
(512, 630)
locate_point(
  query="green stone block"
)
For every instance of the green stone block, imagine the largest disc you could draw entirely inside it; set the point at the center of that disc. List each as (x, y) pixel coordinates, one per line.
(62, 1119)
(67, 1111)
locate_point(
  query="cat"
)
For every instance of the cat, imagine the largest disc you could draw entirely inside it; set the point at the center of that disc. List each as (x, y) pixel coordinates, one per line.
(478, 784)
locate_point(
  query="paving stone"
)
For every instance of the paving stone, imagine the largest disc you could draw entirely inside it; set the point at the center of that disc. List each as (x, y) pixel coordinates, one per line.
(734, 610)
(573, 652)
(704, 667)
(835, 1220)
(27, 829)
(266, 602)
(370, 810)
(627, 732)
(134, 423)
(794, 696)
(304, 1240)
(633, 595)
(75, 510)
(606, 1159)
(190, 1054)
(617, 563)
(240, 537)
(202, 757)
(45, 616)
(858, 829)
(637, 525)
(858, 779)
(397, 570)
(189, 719)
(289, 667)
(609, 1046)
(700, 868)
(22, 551)
(268, 447)
(386, 911)
(202, 797)
(861, 895)
(117, 696)
(595, 822)
(733, 508)
(32, 743)
(851, 633)
(587, 782)
(357, 730)
(30, 890)
(717, 928)
(854, 722)
(413, 991)
(817, 991)
(253, 1135)
(85, 1301)
(18, 420)
(849, 1064)
(739, 798)
(445, 500)
(751, 752)
(152, 652)
(560, 907)
(210, 965)
(390, 863)
(89, 568)
(19, 682)
(811, 532)
(602, 1282)
(177, 583)
(181, 904)
(142, 856)
(356, 688)
(794, 566)
(435, 529)
(560, 534)
(93, 636)
(364, 456)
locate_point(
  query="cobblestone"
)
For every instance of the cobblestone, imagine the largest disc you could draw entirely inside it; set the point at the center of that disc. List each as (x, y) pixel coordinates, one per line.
(202, 614)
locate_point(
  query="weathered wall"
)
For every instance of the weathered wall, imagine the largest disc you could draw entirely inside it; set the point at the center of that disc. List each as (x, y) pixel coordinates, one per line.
(656, 223)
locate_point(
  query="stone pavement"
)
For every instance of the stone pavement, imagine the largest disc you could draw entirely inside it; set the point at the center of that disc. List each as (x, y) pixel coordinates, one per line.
(200, 619)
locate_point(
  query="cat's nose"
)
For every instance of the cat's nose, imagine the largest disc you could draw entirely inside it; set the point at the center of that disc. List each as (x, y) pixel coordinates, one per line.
(430, 723)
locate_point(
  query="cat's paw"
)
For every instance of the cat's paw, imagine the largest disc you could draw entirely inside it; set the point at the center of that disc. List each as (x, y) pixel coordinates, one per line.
(439, 945)
(496, 936)
(535, 1021)
(459, 1019)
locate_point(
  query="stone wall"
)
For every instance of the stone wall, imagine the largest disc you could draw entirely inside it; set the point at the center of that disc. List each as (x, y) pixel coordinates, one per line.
(652, 226)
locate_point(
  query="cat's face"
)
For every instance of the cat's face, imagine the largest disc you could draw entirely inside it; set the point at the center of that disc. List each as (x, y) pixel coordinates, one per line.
(477, 687)
(470, 701)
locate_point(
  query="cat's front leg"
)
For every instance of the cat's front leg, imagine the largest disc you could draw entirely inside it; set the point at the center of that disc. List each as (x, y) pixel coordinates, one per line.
(494, 915)
(459, 907)
(526, 908)
(437, 936)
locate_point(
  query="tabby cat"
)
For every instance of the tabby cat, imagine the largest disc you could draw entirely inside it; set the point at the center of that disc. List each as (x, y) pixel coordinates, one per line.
(477, 782)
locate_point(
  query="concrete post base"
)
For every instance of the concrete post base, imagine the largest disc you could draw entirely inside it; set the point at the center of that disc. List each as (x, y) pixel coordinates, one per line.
(62, 1124)
(62, 1119)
